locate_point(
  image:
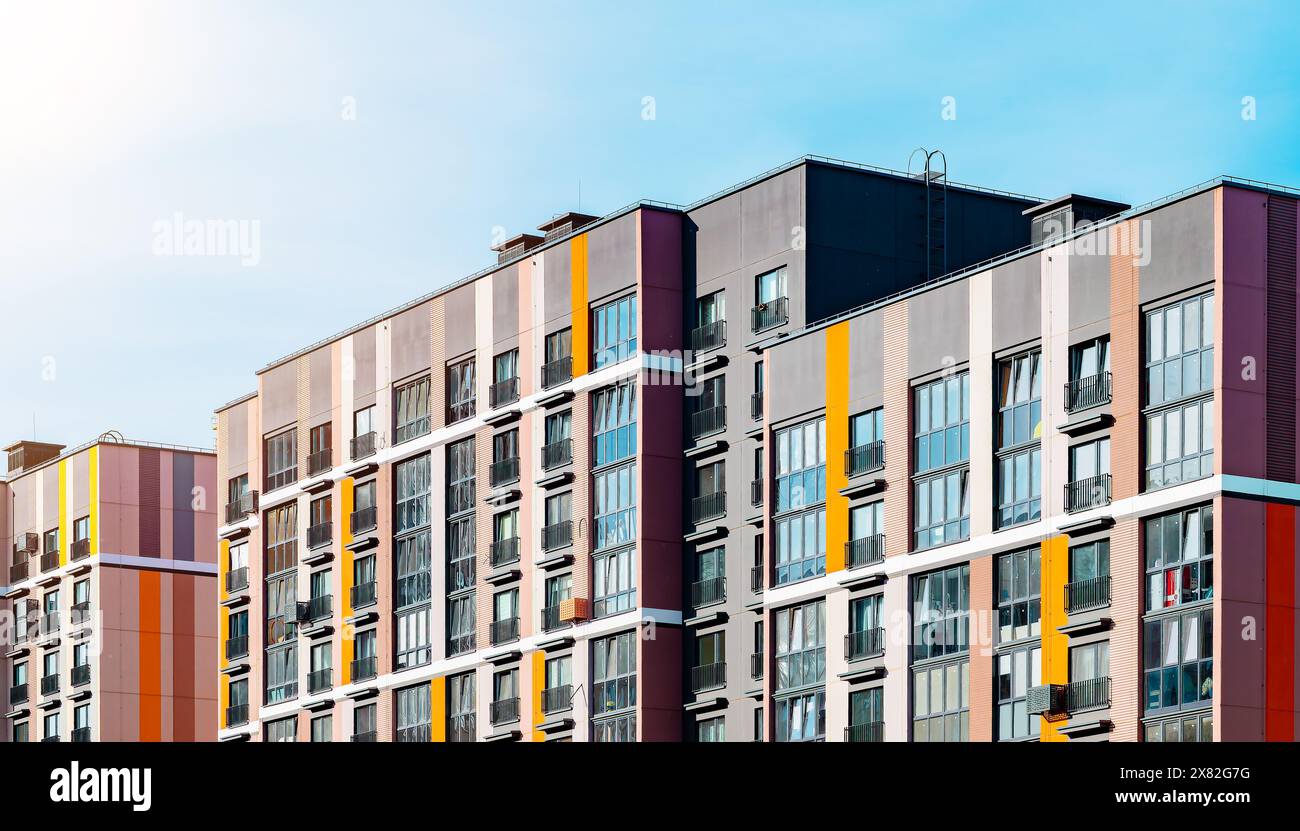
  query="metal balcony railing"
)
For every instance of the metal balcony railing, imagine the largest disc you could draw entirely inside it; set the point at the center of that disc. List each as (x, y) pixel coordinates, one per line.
(709, 591)
(363, 520)
(236, 647)
(364, 594)
(50, 684)
(756, 492)
(864, 459)
(1085, 393)
(18, 572)
(320, 607)
(320, 534)
(504, 552)
(369, 737)
(18, 695)
(708, 676)
(709, 506)
(80, 549)
(557, 536)
(80, 674)
(49, 561)
(865, 551)
(80, 613)
(504, 710)
(320, 680)
(557, 454)
(236, 714)
(556, 699)
(756, 665)
(412, 429)
(1087, 695)
(363, 445)
(559, 371)
(1082, 595)
(243, 506)
(709, 336)
(756, 405)
(868, 643)
(504, 471)
(756, 579)
(1083, 494)
(49, 624)
(772, 313)
(872, 731)
(364, 669)
(81, 734)
(708, 421)
(320, 461)
(460, 410)
(504, 631)
(237, 579)
(504, 392)
(551, 618)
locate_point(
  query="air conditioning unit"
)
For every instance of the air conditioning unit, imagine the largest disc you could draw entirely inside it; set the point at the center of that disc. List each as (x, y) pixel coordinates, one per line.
(26, 543)
(575, 608)
(1049, 698)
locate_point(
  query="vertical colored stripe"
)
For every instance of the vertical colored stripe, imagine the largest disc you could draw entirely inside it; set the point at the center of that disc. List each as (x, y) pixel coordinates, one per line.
(94, 499)
(580, 339)
(438, 708)
(1279, 623)
(223, 631)
(1053, 568)
(345, 577)
(64, 537)
(538, 684)
(223, 568)
(837, 444)
(150, 682)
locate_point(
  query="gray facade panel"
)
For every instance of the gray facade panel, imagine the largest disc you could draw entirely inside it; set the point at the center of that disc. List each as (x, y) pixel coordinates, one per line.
(1017, 302)
(611, 258)
(866, 361)
(1089, 292)
(1181, 245)
(460, 321)
(799, 372)
(939, 328)
(558, 282)
(410, 342)
(505, 304)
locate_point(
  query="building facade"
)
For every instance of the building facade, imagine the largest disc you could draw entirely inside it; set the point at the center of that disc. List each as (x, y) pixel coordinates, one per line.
(110, 591)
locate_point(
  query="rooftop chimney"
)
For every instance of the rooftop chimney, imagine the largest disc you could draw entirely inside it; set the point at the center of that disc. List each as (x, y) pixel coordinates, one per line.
(1056, 218)
(515, 246)
(564, 223)
(24, 455)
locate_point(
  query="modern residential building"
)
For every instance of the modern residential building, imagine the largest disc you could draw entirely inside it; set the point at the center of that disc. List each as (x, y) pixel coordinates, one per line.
(501, 512)
(109, 594)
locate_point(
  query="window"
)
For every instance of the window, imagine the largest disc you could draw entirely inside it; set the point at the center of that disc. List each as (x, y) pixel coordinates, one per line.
(281, 532)
(710, 661)
(614, 331)
(559, 672)
(414, 718)
(559, 508)
(414, 647)
(460, 708)
(801, 465)
(411, 410)
(412, 508)
(363, 424)
(613, 422)
(322, 729)
(712, 730)
(1090, 459)
(1090, 561)
(460, 624)
(559, 427)
(81, 723)
(81, 530)
(505, 378)
(615, 506)
(365, 650)
(364, 722)
(1090, 359)
(800, 646)
(1180, 558)
(51, 727)
(281, 608)
(865, 625)
(81, 596)
(614, 575)
(50, 665)
(941, 703)
(1195, 728)
(558, 589)
(505, 537)
(1090, 662)
(364, 513)
(800, 546)
(1019, 595)
(237, 631)
(940, 613)
(801, 717)
(237, 489)
(710, 491)
(282, 730)
(505, 616)
(613, 694)
(318, 523)
(1020, 416)
(80, 657)
(711, 309)
(559, 345)
(282, 673)
(20, 732)
(321, 666)
(710, 575)
(1018, 670)
(1178, 660)
(237, 712)
(867, 428)
(460, 477)
(867, 707)
(1179, 389)
(363, 575)
(942, 440)
(51, 542)
(770, 287)
(866, 533)
(281, 459)
(321, 443)
(460, 390)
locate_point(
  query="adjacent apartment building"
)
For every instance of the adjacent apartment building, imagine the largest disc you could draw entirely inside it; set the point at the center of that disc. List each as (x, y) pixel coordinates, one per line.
(107, 610)
(501, 511)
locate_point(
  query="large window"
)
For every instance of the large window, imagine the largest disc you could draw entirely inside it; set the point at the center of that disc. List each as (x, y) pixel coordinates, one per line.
(941, 498)
(414, 560)
(281, 535)
(941, 613)
(411, 409)
(1019, 455)
(801, 465)
(613, 698)
(613, 422)
(613, 332)
(281, 608)
(412, 554)
(1179, 551)
(615, 506)
(1018, 670)
(461, 720)
(413, 643)
(941, 703)
(1019, 595)
(282, 673)
(1178, 660)
(800, 546)
(1178, 630)
(1194, 728)
(412, 509)
(614, 582)
(414, 716)
(461, 624)
(281, 459)
(282, 730)
(461, 530)
(711, 730)
(1090, 561)
(460, 390)
(800, 700)
(1179, 389)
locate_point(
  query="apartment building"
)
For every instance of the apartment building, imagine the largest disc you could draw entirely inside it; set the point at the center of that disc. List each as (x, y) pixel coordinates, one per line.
(500, 512)
(1050, 497)
(109, 595)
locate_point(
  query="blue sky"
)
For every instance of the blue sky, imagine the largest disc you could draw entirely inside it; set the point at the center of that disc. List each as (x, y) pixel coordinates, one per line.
(480, 117)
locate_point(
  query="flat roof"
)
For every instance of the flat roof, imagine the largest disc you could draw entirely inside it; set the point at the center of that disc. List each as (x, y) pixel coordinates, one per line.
(179, 448)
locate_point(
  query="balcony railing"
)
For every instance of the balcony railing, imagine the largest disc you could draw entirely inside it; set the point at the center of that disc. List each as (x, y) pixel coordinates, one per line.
(504, 471)
(709, 676)
(709, 506)
(236, 714)
(756, 405)
(320, 607)
(1082, 595)
(236, 647)
(707, 592)
(18, 695)
(18, 572)
(1087, 695)
(709, 336)
(872, 731)
(81, 734)
(26, 543)
(756, 579)
(869, 643)
(50, 684)
(756, 665)
(320, 535)
(49, 561)
(551, 618)
(1083, 494)
(411, 430)
(364, 594)
(320, 461)
(243, 506)
(557, 536)
(559, 371)
(504, 631)
(369, 737)
(708, 421)
(864, 459)
(557, 454)
(1085, 393)
(504, 711)
(320, 680)
(50, 624)
(504, 392)
(80, 612)
(556, 699)
(772, 313)
(364, 669)
(363, 520)
(504, 552)
(80, 674)
(281, 478)
(362, 446)
(80, 549)
(865, 551)
(460, 410)
(756, 492)
(237, 579)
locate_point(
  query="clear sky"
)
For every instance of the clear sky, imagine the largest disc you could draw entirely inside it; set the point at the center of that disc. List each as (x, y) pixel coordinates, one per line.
(378, 147)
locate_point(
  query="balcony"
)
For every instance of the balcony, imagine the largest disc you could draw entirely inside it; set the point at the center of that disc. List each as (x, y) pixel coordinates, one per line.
(80, 674)
(708, 421)
(363, 520)
(557, 699)
(872, 731)
(504, 631)
(1083, 595)
(320, 535)
(557, 454)
(756, 665)
(460, 410)
(756, 406)
(551, 618)
(865, 551)
(559, 371)
(81, 734)
(363, 669)
(756, 492)
(504, 472)
(368, 737)
(709, 336)
(281, 478)
(320, 461)
(18, 695)
(81, 613)
(1093, 492)
(318, 608)
(239, 508)
(504, 711)
(869, 643)
(236, 647)
(707, 592)
(557, 536)
(49, 739)
(18, 572)
(756, 579)
(50, 684)
(1086, 393)
(1087, 695)
(504, 552)
(767, 315)
(80, 549)
(864, 459)
(362, 446)
(49, 625)
(236, 715)
(49, 561)
(320, 680)
(709, 506)
(709, 677)
(503, 392)
(237, 579)
(364, 594)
